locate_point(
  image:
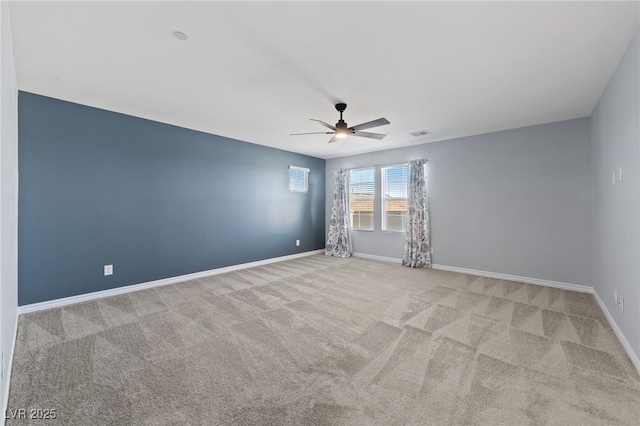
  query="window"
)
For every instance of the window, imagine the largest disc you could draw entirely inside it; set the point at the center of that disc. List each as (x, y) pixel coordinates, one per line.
(298, 179)
(395, 180)
(361, 195)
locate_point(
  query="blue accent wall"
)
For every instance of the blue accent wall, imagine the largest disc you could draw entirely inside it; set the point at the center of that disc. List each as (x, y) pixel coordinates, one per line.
(155, 200)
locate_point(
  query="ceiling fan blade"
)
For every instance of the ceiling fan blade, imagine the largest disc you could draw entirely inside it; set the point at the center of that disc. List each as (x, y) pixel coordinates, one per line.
(324, 124)
(369, 135)
(312, 133)
(369, 124)
(333, 139)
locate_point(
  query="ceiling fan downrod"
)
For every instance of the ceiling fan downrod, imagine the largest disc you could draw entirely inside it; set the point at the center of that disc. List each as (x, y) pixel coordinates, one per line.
(341, 126)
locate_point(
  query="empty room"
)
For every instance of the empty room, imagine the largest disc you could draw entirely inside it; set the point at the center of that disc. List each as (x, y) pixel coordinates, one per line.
(320, 213)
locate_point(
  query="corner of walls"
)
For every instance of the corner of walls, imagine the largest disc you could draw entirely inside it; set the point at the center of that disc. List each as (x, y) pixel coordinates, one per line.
(153, 200)
(8, 203)
(615, 148)
(515, 202)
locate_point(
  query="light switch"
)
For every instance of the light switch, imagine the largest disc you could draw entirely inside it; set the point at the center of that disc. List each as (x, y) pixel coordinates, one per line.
(108, 270)
(620, 174)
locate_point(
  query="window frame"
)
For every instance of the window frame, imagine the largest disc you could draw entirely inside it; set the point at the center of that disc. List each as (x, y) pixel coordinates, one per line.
(292, 186)
(372, 199)
(383, 199)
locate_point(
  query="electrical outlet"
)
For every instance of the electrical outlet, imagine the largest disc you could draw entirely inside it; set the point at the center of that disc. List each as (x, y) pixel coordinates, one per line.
(297, 243)
(615, 296)
(108, 270)
(620, 174)
(621, 305)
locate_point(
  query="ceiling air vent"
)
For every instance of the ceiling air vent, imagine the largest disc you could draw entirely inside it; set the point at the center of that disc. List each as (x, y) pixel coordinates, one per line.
(420, 133)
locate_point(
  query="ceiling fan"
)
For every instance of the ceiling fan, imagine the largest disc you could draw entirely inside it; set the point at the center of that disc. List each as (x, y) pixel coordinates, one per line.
(341, 130)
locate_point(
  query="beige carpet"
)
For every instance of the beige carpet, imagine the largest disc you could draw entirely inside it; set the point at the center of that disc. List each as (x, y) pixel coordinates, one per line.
(327, 341)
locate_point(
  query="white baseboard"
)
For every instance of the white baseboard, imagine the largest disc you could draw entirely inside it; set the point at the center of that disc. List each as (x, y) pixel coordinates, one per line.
(9, 361)
(374, 257)
(635, 360)
(157, 283)
(565, 286)
(527, 280)
(536, 281)
(136, 287)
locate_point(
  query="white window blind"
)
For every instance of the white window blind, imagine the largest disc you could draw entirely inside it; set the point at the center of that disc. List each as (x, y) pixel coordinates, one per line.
(395, 182)
(298, 179)
(361, 196)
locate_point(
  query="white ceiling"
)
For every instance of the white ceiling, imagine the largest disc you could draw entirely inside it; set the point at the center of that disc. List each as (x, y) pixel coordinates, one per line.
(257, 71)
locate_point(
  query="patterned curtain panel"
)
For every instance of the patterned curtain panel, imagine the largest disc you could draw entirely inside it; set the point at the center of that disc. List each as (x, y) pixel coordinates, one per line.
(339, 243)
(417, 245)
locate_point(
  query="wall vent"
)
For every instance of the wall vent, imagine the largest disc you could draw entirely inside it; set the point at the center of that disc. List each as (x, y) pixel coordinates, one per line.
(420, 133)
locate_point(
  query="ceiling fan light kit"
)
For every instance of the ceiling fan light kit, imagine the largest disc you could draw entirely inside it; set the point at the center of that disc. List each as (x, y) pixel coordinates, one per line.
(341, 130)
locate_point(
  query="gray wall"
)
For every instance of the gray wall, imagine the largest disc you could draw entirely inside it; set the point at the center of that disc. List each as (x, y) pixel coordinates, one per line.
(154, 200)
(615, 140)
(514, 202)
(8, 198)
